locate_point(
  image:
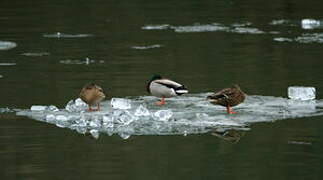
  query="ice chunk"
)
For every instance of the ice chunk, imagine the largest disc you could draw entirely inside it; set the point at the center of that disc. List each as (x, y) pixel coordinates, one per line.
(310, 23)
(8, 64)
(6, 45)
(62, 35)
(155, 27)
(36, 54)
(50, 118)
(76, 106)
(61, 118)
(38, 108)
(120, 103)
(142, 111)
(163, 115)
(95, 133)
(301, 93)
(282, 39)
(52, 108)
(1, 76)
(124, 117)
(147, 47)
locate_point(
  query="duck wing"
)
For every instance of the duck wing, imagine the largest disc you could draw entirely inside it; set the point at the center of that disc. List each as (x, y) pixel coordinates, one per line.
(178, 88)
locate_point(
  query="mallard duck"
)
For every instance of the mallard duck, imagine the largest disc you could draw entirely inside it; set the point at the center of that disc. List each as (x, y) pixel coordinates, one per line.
(92, 94)
(164, 88)
(228, 97)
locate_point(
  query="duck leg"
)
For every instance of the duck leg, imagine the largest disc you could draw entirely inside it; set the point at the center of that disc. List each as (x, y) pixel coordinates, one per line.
(229, 110)
(161, 102)
(98, 107)
(90, 109)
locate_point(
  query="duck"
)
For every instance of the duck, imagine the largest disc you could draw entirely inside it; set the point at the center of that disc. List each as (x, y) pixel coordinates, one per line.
(164, 88)
(92, 94)
(228, 97)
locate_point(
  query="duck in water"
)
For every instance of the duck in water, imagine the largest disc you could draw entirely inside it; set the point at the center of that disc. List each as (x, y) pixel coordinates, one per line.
(164, 88)
(92, 94)
(228, 97)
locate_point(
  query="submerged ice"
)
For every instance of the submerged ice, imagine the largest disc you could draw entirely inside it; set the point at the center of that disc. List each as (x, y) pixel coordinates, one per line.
(190, 114)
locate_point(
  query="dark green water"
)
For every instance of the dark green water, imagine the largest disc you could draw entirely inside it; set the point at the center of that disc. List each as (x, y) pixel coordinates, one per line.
(204, 61)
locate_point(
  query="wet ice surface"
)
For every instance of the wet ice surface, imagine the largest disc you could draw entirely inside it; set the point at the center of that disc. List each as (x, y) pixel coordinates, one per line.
(241, 28)
(6, 45)
(304, 38)
(35, 54)
(86, 61)
(302, 23)
(190, 114)
(301, 93)
(8, 64)
(63, 35)
(147, 47)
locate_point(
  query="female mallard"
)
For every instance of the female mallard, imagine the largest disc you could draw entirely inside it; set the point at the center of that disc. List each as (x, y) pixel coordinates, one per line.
(228, 97)
(92, 94)
(164, 88)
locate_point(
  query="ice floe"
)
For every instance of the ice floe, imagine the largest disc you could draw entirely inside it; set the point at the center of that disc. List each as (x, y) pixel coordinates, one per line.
(241, 28)
(86, 61)
(185, 115)
(6, 45)
(63, 35)
(147, 47)
(35, 54)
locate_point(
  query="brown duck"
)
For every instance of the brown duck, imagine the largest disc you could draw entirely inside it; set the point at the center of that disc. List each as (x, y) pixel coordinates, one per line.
(92, 94)
(228, 97)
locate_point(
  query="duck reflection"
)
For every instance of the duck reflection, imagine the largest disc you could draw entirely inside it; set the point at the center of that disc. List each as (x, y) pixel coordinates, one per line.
(230, 135)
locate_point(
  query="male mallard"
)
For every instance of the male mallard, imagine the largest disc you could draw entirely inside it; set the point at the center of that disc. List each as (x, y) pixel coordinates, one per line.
(164, 88)
(228, 97)
(92, 94)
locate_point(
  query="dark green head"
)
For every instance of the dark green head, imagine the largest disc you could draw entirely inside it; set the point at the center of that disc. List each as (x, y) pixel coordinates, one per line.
(155, 77)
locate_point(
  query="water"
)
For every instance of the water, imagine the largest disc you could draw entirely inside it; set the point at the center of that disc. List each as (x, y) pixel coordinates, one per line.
(206, 45)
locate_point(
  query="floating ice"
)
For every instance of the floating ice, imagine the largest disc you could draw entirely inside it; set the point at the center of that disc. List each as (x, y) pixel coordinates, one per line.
(240, 28)
(146, 47)
(183, 115)
(76, 106)
(280, 22)
(301, 93)
(282, 39)
(310, 23)
(156, 27)
(7, 64)
(244, 30)
(36, 54)
(86, 61)
(38, 108)
(95, 133)
(62, 35)
(200, 28)
(6, 45)
(120, 103)
(310, 38)
(1, 76)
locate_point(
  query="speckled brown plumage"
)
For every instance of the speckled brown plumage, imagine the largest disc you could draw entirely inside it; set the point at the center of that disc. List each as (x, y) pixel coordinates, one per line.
(92, 94)
(228, 97)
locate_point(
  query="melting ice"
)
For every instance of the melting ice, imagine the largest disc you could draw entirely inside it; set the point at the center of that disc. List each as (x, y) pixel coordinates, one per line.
(188, 114)
(6, 45)
(63, 35)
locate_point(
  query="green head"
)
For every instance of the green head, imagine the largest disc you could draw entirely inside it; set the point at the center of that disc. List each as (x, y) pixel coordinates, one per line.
(155, 77)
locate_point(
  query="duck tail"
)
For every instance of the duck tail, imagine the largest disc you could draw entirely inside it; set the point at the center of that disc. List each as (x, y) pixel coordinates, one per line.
(181, 90)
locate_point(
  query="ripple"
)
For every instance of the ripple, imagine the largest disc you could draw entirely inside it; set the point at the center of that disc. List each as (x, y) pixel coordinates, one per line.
(62, 35)
(6, 45)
